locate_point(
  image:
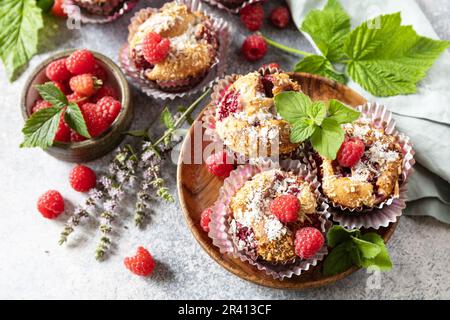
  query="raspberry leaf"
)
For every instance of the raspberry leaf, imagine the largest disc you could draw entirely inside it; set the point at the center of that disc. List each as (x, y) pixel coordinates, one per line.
(339, 259)
(341, 113)
(49, 92)
(327, 138)
(20, 22)
(328, 28)
(75, 120)
(40, 128)
(320, 65)
(390, 59)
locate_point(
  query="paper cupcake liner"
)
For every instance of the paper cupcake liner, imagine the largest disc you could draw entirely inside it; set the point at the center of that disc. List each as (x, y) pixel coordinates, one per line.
(390, 209)
(232, 9)
(77, 13)
(216, 70)
(219, 225)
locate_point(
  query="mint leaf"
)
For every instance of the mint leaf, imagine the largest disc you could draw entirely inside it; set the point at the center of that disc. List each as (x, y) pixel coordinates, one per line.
(49, 92)
(167, 118)
(341, 113)
(321, 66)
(292, 106)
(302, 130)
(338, 234)
(327, 138)
(20, 22)
(391, 59)
(317, 111)
(40, 128)
(367, 249)
(338, 260)
(382, 260)
(75, 120)
(328, 28)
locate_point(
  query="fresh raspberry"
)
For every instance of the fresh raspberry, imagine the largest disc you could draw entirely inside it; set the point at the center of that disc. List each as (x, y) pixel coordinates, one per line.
(229, 104)
(205, 219)
(252, 16)
(308, 241)
(61, 86)
(63, 131)
(105, 91)
(50, 204)
(80, 62)
(142, 264)
(220, 164)
(57, 9)
(100, 73)
(155, 48)
(82, 178)
(109, 108)
(75, 136)
(100, 116)
(285, 208)
(280, 17)
(351, 151)
(39, 105)
(77, 98)
(85, 84)
(57, 71)
(254, 47)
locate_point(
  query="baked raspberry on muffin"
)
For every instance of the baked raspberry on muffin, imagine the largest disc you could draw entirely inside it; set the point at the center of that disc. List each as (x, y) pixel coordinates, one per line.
(100, 7)
(173, 46)
(266, 213)
(246, 118)
(367, 169)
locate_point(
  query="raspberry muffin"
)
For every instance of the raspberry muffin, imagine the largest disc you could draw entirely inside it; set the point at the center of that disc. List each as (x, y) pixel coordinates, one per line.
(367, 169)
(173, 47)
(246, 119)
(100, 7)
(270, 215)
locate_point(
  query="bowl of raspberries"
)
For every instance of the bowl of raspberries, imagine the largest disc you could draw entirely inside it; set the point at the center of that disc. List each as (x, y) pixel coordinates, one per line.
(89, 95)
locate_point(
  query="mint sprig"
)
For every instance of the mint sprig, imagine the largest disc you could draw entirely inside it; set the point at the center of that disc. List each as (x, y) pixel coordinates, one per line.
(40, 128)
(318, 121)
(381, 55)
(350, 247)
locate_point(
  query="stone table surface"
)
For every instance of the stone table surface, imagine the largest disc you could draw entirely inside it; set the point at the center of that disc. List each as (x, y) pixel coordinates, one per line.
(33, 265)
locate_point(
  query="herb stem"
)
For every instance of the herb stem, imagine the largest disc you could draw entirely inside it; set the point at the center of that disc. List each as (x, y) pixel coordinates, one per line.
(286, 48)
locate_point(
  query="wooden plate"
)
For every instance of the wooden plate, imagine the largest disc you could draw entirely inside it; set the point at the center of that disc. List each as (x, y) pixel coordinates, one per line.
(198, 190)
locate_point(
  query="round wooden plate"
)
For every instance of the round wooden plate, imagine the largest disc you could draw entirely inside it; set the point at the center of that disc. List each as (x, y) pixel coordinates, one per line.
(198, 189)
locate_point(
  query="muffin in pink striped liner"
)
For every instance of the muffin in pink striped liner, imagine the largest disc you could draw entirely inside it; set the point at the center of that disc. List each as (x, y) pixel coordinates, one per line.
(232, 6)
(175, 50)
(97, 11)
(245, 224)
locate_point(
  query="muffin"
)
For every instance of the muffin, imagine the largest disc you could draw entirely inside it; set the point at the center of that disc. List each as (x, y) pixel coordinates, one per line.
(100, 7)
(369, 179)
(257, 230)
(192, 51)
(246, 119)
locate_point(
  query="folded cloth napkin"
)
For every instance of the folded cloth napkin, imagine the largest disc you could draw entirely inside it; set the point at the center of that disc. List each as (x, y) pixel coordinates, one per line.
(424, 116)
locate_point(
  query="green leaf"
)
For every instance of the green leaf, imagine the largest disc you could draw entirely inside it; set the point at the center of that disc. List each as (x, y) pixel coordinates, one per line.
(292, 106)
(74, 119)
(328, 29)
(317, 111)
(321, 66)
(367, 249)
(338, 234)
(390, 59)
(167, 118)
(49, 92)
(40, 128)
(20, 22)
(302, 130)
(327, 138)
(382, 260)
(341, 113)
(338, 260)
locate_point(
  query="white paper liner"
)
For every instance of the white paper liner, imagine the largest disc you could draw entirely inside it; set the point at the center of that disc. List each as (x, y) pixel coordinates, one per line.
(232, 10)
(215, 71)
(76, 12)
(389, 210)
(219, 225)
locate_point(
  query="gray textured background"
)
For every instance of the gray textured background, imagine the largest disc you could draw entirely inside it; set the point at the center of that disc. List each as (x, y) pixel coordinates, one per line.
(32, 265)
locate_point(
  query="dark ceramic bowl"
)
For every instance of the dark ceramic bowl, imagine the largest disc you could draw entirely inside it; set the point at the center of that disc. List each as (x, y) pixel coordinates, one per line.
(95, 147)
